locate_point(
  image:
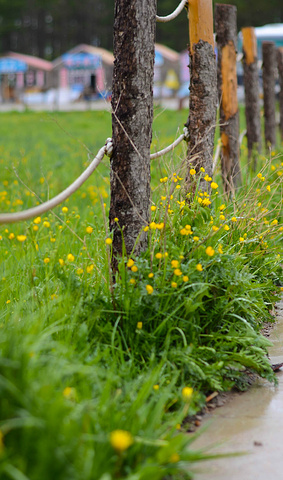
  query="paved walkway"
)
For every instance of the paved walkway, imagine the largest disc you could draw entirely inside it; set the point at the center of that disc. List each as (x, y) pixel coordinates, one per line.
(251, 422)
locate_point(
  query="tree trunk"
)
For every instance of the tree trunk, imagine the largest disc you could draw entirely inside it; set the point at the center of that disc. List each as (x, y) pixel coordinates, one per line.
(132, 104)
(280, 70)
(251, 82)
(226, 31)
(203, 91)
(268, 76)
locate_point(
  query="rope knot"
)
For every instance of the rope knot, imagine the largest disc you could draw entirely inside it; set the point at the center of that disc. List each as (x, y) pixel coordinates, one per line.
(186, 134)
(109, 147)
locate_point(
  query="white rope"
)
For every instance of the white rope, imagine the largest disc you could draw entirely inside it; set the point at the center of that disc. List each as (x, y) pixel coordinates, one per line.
(107, 149)
(44, 207)
(184, 136)
(172, 15)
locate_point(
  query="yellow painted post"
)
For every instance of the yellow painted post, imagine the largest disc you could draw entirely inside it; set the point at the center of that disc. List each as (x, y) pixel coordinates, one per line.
(200, 22)
(251, 83)
(203, 90)
(226, 37)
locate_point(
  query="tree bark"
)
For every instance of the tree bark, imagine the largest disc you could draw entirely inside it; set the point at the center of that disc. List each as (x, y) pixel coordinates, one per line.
(251, 83)
(226, 36)
(280, 70)
(203, 91)
(268, 76)
(132, 104)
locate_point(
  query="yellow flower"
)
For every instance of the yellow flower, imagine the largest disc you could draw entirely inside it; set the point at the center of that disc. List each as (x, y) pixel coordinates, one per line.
(160, 226)
(187, 393)
(152, 226)
(80, 271)
(192, 171)
(116, 219)
(132, 281)
(134, 268)
(185, 278)
(227, 228)
(242, 239)
(89, 229)
(108, 241)
(121, 440)
(139, 325)
(146, 229)
(202, 169)
(158, 255)
(177, 272)
(175, 264)
(156, 387)
(61, 262)
(149, 289)
(268, 188)
(233, 219)
(220, 249)
(70, 257)
(37, 220)
(214, 185)
(259, 175)
(46, 260)
(207, 178)
(222, 217)
(130, 262)
(209, 251)
(174, 284)
(21, 238)
(65, 209)
(8, 301)
(150, 275)
(195, 239)
(89, 268)
(11, 236)
(215, 228)
(46, 224)
(174, 458)
(274, 222)
(199, 267)
(153, 208)
(70, 393)
(222, 207)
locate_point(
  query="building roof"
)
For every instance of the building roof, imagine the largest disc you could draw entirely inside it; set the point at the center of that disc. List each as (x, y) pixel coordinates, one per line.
(105, 55)
(167, 52)
(271, 31)
(31, 61)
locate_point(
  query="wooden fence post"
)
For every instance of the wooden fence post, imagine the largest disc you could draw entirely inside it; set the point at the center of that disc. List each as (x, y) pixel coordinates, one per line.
(268, 77)
(203, 89)
(251, 82)
(132, 106)
(226, 37)
(280, 70)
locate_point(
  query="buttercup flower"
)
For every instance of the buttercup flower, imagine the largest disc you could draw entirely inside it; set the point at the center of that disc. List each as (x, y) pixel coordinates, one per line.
(209, 251)
(187, 393)
(149, 289)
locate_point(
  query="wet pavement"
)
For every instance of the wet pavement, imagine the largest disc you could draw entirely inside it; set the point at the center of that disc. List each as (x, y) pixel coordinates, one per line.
(251, 422)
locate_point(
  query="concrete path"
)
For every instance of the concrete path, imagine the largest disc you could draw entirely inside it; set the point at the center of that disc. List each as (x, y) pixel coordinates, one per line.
(251, 422)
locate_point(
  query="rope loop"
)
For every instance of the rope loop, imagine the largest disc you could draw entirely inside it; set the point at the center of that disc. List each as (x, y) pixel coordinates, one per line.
(174, 14)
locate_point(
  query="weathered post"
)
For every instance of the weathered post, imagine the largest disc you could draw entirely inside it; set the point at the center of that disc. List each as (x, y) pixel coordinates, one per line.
(280, 70)
(132, 104)
(203, 89)
(226, 37)
(268, 77)
(251, 83)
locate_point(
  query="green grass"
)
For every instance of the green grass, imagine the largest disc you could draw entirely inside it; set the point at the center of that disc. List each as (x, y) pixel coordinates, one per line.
(81, 357)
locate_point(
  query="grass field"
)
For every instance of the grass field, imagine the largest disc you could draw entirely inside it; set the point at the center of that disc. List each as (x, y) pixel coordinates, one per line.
(95, 378)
